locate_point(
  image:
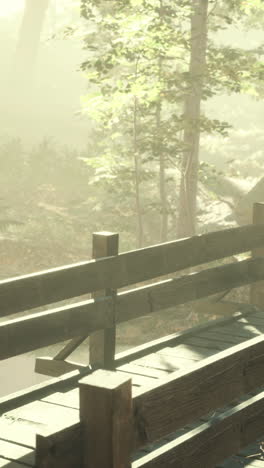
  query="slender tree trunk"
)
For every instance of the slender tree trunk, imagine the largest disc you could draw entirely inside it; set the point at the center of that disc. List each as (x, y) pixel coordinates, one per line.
(190, 163)
(162, 181)
(162, 167)
(29, 38)
(137, 165)
(159, 149)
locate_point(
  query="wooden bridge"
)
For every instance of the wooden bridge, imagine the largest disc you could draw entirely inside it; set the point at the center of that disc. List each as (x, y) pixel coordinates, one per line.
(191, 399)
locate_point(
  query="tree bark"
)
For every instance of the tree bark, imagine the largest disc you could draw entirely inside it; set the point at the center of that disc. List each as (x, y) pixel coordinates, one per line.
(137, 165)
(29, 38)
(192, 109)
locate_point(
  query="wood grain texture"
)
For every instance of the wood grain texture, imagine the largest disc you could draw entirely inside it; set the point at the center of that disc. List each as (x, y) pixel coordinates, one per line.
(5, 463)
(256, 290)
(47, 328)
(46, 287)
(187, 396)
(106, 417)
(60, 449)
(102, 343)
(211, 443)
(176, 338)
(149, 299)
(68, 381)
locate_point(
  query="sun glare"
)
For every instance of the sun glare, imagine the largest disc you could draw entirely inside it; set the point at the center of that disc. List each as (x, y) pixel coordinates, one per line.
(8, 7)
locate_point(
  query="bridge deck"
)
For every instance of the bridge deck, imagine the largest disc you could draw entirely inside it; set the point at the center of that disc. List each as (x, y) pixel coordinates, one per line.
(19, 425)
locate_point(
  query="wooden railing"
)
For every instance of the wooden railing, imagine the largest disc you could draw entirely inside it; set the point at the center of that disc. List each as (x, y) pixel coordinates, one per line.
(113, 424)
(99, 316)
(116, 422)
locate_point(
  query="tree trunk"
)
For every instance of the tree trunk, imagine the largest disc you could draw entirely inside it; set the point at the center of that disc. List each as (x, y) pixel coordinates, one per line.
(29, 38)
(191, 138)
(137, 177)
(159, 153)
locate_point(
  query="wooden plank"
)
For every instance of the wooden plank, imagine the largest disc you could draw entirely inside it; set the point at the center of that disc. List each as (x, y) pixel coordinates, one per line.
(103, 342)
(5, 463)
(41, 390)
(137, 380)
(184, 396)
(132, 368)
(259, 322)
(211, 443)
(256, 290)
(188, 352)
(216, 334)
(240, 462)
(175, 338)
(47, 328)
(44, 414)
(17, 452)
(69, 399)
(106, 416)
(46, 287)
(239, 330)
(163, 362)
(55, 367)
(243, 330)
(55, 384)
(208, 343)
(60, 449)
(149, 299)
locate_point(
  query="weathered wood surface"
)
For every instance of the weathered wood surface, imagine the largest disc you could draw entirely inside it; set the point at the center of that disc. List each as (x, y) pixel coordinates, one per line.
(70, 380)
(61, 449)
(46, 287)
(47, 328)
(106, 418)
(147, 367)
(211, 443)
(5, 463)
(256, 290)
(241, 462)
(102, 343)
(213, 383)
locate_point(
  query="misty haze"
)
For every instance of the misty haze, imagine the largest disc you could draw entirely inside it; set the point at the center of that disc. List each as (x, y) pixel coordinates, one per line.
(141, 120)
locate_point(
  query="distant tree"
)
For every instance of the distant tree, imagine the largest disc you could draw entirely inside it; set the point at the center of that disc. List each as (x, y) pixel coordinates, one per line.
(29, 38)
(152, 64)
(133, 66)
(192, 113)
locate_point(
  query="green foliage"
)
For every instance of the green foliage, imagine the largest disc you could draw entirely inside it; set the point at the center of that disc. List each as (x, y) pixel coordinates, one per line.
(138, 68)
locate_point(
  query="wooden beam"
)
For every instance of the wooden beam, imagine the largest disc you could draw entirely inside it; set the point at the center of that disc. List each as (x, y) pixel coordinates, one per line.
(150, 299)
(153, 346)
(47, 328)
(212, 442)
(102, 343)
(257, 289)
(60, 449)
(54, 326)
(46, 287)
(106, 418)
(55, 367)
(184, 397)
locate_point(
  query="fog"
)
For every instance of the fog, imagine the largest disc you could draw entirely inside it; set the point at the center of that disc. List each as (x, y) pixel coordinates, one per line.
(59, 180)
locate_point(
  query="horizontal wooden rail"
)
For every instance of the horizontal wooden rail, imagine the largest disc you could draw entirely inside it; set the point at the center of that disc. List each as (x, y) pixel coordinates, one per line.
(212, 443)
(46, 287)
(187, 396)
(166, 407)
(47, 328)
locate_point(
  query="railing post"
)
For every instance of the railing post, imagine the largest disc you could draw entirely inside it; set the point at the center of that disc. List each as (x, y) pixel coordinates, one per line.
(102, 343)
(257, 289)
(106, 420)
